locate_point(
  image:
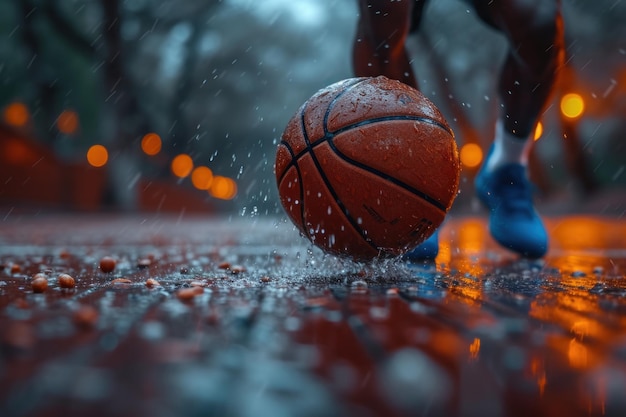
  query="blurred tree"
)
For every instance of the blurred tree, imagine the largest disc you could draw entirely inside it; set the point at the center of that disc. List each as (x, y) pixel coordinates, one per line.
(216, 79)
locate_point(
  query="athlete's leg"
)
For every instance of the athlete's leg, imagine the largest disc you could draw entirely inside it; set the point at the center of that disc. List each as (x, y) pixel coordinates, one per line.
(379, 46)
(535, 35)
(534, 31)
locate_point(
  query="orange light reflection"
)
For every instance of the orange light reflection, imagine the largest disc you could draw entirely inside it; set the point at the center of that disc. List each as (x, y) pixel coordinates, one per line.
(582, 241)
(474, 349)
(471, 236)
(468, 238)
(569, 309)
(538, 131)
(538, 373)
(577, 355)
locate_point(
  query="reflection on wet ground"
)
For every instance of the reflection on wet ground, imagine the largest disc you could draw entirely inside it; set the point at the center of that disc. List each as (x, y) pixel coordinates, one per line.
(241, 317)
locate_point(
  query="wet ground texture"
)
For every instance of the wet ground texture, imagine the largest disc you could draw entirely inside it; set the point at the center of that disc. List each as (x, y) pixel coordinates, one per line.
(241, 317)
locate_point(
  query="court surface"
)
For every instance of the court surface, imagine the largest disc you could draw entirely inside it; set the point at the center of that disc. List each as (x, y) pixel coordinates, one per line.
(242, 317)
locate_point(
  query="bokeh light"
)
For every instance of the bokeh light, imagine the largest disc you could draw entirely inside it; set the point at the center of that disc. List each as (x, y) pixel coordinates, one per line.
(97, 156)
(471, 155)
(538, 131)
(572, 105)
(182, 165)
(202, 177)
(67, 122)
(223, 188)
(151, 144)
(16, 114)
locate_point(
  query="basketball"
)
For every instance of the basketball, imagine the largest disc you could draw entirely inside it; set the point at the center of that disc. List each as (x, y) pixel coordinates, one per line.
(367, 168)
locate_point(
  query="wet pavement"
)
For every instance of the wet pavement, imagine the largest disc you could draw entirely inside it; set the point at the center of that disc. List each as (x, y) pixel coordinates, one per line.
(242, 317)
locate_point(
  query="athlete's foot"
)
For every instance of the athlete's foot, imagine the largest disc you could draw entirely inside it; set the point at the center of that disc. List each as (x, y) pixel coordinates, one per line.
(513, 221)
(427, 250)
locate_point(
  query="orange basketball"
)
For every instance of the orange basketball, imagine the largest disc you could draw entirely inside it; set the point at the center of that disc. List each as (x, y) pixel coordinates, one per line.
(367, 168)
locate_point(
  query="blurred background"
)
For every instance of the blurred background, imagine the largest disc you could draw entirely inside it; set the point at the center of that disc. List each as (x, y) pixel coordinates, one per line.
(177, 105)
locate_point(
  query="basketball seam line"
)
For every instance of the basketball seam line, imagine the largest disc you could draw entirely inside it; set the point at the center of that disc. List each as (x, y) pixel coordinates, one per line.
(299, 175)
(391, 118)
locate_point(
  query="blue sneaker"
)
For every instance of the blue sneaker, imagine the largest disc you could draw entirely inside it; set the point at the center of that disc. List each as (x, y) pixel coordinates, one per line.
(427, 250)
(513, 221)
